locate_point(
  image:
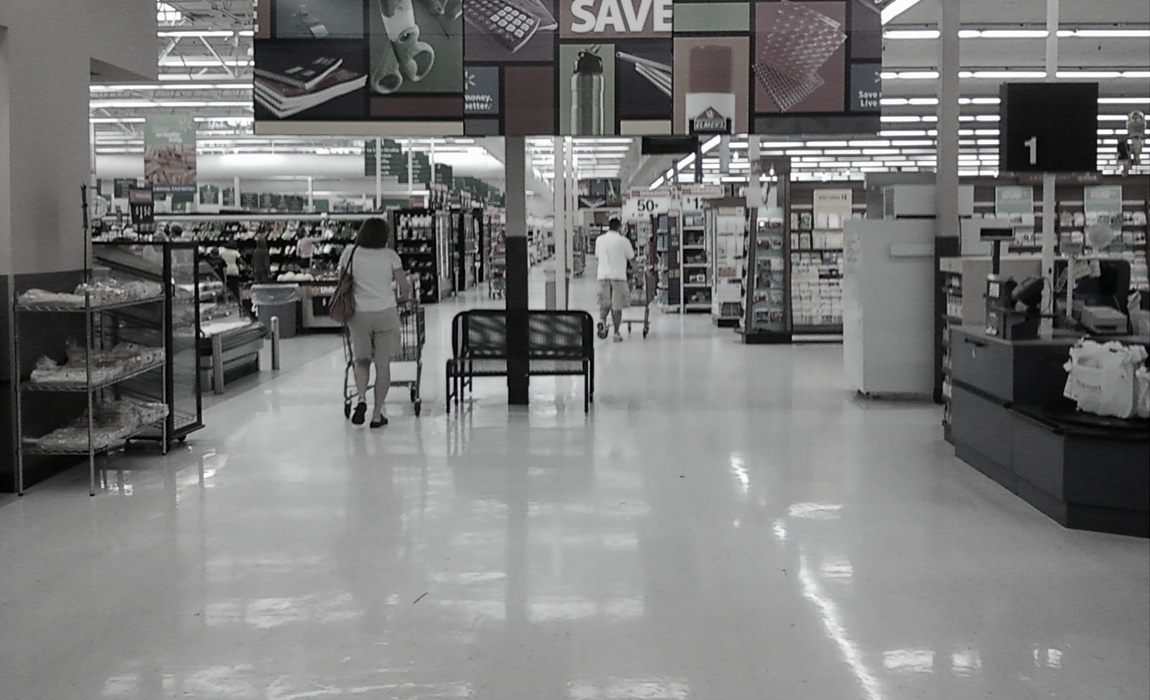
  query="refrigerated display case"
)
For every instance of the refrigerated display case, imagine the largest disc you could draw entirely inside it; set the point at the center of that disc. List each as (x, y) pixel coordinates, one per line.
(178, 263)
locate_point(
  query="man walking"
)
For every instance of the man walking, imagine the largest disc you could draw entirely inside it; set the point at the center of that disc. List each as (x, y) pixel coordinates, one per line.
(613, 251)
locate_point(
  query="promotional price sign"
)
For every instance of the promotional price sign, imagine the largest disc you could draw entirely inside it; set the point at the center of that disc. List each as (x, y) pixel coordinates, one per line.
(694, 197)
(142, 207)
(1103, 204)
(643, 203)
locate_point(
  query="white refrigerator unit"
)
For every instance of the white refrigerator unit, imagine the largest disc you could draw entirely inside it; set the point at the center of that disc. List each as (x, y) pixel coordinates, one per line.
(888, 306)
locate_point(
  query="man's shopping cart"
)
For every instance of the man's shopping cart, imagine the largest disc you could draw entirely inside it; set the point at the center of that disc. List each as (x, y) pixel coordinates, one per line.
(412, 337)
(641, 280)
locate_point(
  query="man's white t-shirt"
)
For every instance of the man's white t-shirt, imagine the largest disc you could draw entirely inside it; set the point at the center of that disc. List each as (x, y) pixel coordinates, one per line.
(374, 269)
(612, 251)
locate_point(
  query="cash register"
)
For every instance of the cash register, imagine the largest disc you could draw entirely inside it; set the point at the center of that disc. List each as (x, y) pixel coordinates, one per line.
(1012, 308)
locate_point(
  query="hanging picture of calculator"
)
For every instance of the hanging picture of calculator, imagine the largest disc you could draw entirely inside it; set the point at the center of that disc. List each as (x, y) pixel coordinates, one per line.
(509, 30)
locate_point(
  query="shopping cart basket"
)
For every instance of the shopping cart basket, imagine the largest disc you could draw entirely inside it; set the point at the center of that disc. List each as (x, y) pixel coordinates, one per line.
(496, 278)
(412, 334)
(641, 280)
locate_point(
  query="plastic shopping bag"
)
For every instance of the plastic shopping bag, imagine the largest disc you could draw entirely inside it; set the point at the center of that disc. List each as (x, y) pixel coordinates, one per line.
(1101, 378)
(1142, 392)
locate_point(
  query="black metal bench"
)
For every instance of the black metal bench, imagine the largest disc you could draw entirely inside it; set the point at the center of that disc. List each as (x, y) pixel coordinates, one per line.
(558, 343)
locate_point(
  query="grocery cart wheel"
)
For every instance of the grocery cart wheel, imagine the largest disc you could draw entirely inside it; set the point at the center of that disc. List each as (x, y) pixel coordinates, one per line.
(646, 331)
(346, 409)
(418, 406)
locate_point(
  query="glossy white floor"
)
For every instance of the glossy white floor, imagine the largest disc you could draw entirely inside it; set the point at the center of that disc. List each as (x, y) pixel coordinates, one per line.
(728, 523)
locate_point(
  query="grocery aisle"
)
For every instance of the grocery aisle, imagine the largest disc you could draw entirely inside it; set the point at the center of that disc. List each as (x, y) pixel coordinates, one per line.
(728, 522)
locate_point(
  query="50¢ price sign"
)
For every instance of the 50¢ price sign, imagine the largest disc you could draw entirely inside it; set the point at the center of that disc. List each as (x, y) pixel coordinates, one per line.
(642, 204)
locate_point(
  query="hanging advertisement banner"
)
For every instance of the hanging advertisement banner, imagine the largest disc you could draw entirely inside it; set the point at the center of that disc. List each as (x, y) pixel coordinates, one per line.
(567, 67)
(170, 154)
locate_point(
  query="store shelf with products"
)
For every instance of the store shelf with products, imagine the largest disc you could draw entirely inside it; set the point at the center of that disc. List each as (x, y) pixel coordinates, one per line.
(467, 259)
(540, 242)
(289, 239)
(422, 239)
(768, 317)
(495, 252)
(695, 263)
(668, 274)
(817, 214)
(108, 365)
(726, 224)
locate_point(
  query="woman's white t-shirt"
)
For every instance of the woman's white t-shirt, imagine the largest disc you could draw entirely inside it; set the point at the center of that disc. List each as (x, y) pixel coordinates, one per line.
(374, 269)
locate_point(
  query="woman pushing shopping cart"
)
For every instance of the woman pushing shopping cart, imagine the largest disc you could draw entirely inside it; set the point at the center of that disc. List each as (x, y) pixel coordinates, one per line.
(378, 327)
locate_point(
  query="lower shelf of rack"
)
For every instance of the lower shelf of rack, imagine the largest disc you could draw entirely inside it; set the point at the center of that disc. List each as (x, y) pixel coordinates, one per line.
(98, 449)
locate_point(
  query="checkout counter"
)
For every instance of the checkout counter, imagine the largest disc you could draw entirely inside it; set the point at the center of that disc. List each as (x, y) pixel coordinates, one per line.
(1010, 420)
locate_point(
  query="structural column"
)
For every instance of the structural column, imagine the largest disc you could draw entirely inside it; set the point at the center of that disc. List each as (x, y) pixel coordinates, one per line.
(1046, 327)
(562, 232)
(946, 183)
(517, 270)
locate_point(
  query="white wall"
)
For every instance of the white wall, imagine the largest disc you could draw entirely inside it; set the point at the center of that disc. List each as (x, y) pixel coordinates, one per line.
(50, 49)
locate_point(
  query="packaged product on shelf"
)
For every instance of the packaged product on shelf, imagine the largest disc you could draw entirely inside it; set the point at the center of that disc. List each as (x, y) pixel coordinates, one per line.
(112, 422)
(107, 366)
(41, 298)
(115, 292)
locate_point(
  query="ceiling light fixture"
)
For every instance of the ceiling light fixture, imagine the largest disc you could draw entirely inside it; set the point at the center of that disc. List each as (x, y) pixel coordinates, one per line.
(911, 34)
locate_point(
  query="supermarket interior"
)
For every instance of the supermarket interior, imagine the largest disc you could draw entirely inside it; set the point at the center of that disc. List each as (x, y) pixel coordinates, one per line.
(875, 423)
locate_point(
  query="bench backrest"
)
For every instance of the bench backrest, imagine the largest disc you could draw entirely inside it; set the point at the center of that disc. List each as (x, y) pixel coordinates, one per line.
(482, 333)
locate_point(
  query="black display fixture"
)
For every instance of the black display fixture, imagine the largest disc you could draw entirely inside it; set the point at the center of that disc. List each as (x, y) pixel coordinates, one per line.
(669, 145)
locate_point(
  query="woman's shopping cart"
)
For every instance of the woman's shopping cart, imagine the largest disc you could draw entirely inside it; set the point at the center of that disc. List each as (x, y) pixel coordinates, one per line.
(412, 337)
(641, 280)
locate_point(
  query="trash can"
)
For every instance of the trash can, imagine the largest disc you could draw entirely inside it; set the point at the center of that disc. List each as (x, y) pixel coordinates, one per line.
(279, 301)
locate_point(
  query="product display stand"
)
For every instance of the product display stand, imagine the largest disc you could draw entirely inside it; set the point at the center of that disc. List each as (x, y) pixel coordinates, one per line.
(467, 263)
(95, 388)
(767, 275)
(726, 225)
(181, 328)
(768, 317)
(422, 241)
(696, 264)
(669, 275)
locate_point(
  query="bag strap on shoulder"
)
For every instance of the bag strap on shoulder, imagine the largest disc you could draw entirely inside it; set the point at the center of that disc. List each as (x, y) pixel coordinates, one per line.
(350, 258)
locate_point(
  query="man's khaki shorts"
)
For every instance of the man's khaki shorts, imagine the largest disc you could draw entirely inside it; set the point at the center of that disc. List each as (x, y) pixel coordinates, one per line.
(614, 295)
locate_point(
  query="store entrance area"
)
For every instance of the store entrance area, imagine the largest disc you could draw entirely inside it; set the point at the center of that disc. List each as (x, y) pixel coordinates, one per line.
(727, 522)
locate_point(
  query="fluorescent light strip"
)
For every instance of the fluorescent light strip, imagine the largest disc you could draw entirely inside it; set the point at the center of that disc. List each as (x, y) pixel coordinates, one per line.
(1002, 34)
(911, 34)
(196, 33)
(169, 86)
(930, 34)
(1106, 33)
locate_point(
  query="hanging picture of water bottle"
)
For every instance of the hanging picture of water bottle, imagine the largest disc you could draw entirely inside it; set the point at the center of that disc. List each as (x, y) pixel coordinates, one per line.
(587, 106)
